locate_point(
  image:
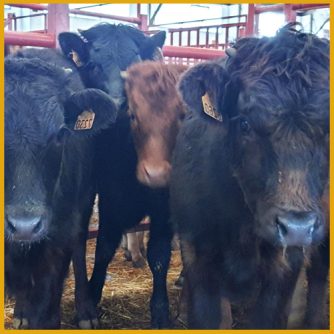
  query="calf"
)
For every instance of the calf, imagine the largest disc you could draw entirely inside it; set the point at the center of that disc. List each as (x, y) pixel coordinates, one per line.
(100, 55)
(156, 112)
(249, 170)
(124, 201)
(102, 52)
(49, 190)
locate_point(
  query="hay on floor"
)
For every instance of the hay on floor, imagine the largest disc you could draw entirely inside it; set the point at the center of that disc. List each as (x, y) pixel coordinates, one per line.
(126, 294)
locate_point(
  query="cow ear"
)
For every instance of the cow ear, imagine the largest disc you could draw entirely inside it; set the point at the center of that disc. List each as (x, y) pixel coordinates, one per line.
(202, 89)
(74, 48)
(88, 111)
(148, 49)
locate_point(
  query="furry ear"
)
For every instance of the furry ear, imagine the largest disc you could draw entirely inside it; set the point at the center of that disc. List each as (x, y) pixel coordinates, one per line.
(202, 89)
(148, 49)
(88, 111)
(74, 48)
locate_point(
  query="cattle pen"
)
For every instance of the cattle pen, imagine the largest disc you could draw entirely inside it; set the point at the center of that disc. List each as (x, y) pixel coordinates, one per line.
(126, 294)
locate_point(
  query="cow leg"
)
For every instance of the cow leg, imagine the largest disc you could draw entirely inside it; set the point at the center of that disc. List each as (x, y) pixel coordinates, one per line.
(203, 298)
(108, 240)
(20, 320)
(274, 300)
(124, 245)
(140, 237)
(158, 257)
(134, 247)
(317, 297)
(86, 310)
(44, 299)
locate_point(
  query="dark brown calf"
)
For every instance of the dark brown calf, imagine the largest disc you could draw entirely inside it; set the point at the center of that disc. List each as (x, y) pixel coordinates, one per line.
(249, 174)
(156, 112)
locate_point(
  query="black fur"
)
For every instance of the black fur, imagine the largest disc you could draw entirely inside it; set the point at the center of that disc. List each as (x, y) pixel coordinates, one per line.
(105, 50)
(274, 99)
(48, 173)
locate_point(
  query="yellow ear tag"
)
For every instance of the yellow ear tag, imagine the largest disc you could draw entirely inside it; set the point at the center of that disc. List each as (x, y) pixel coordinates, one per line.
(85, 120)
(210, 109)
(76, 58)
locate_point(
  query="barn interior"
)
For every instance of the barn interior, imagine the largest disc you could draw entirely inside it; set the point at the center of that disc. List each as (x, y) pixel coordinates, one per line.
(203, 34)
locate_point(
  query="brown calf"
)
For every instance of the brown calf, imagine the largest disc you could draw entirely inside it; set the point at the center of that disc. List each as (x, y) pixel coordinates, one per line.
(156, 112)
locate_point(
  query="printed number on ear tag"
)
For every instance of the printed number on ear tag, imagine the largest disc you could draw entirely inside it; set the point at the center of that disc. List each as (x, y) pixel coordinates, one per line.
(210, 109)
(85, 120)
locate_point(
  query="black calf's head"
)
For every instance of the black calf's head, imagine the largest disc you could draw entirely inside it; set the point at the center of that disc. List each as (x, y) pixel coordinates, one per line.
(41, 113)
(280, 133)
(278, 129)
(102, 52)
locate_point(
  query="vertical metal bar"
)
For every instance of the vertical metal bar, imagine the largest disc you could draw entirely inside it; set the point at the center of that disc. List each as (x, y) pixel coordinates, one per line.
(256, 25)
(226, 36)
(10, 18)
(207, 38)
(143, 22)
(180, 38)
(289, 13)
(139, 10)
(217, 37)
(250, 20)
(189, 38)
(45, 23)
(311, 23)
(197, 37)
(171, 38)
(58, 19)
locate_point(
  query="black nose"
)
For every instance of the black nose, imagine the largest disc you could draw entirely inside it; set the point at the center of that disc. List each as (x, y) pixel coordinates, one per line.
(296, 228)
(25, 229)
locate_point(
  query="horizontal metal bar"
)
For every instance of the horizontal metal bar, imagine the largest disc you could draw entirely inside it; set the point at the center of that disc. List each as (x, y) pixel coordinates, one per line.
(49, 41)
(276, 8)
(190, 52)
(224, 25)
(30, 38)
(135, 20)
(29, 6)
(309, 6)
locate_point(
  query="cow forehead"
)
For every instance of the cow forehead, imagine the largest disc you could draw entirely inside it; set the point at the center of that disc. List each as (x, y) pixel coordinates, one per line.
(30, 121)
(270, 104)
(120, 52)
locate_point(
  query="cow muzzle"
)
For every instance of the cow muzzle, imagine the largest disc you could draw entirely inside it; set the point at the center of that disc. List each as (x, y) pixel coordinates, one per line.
(297, 228)
(154, 176)
(26, 227)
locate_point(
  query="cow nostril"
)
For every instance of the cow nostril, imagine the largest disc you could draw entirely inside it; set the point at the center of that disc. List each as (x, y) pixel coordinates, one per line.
(37, 228)
(11, 226)
(282, 229)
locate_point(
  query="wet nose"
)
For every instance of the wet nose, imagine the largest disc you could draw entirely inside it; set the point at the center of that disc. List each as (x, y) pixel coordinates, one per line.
(156, 176)
(296, 228)
(25, 229)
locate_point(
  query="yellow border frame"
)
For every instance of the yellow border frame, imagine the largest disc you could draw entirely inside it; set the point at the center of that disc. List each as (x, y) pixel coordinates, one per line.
(331, 194)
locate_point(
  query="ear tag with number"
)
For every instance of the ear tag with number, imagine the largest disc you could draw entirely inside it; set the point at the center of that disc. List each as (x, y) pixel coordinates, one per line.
(75, 57)
(210, 109)
(85, 120)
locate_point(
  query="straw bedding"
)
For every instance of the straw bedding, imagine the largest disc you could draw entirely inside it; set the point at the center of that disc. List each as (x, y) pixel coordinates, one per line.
(126, 294)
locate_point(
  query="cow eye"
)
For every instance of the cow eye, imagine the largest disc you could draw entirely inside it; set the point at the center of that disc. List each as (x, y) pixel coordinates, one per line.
(132, 117)
(244, 126)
